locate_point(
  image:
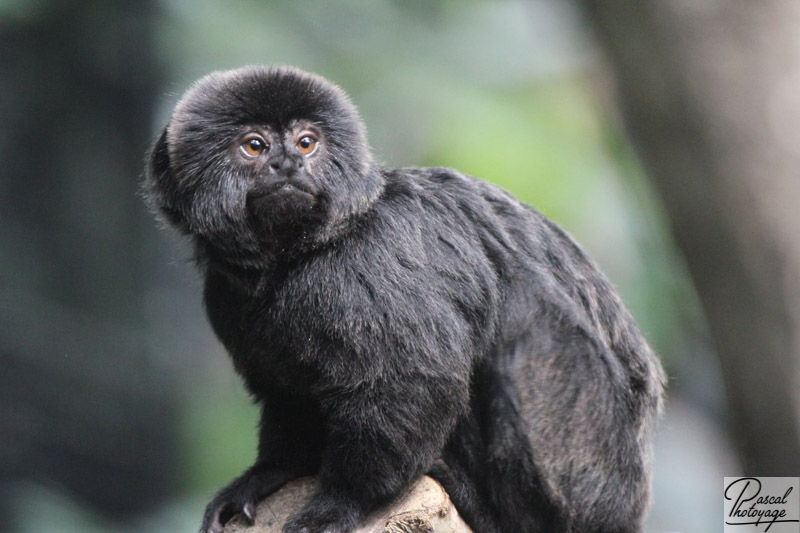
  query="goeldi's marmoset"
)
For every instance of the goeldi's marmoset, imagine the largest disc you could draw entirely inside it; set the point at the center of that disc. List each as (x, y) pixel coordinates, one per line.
(397, 323)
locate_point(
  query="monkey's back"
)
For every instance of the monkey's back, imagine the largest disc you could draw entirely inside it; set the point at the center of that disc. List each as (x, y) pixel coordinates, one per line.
(575, 390)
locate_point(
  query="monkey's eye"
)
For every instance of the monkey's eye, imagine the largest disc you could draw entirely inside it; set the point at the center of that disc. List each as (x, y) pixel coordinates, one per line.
(253, 146)
(307, 144)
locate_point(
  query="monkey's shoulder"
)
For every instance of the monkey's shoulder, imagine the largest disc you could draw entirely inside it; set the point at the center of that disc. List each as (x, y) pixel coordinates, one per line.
(447, 187)
(478, 216)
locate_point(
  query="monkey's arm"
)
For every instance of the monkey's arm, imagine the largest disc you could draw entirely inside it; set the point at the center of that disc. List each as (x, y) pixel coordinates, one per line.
(289, 447)
(381, 436)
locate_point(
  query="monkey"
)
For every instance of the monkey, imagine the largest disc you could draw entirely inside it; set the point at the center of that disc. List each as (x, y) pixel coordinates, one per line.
(392, 324)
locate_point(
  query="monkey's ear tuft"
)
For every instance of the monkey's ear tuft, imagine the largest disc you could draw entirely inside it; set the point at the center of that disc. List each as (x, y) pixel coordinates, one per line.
(160, 187)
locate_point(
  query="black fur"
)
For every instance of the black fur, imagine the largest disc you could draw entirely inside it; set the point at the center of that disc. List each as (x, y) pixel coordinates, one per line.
(393, 323)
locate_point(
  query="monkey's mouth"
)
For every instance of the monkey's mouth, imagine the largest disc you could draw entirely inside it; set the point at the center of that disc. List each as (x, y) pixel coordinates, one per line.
(278, 204)
(282, 188)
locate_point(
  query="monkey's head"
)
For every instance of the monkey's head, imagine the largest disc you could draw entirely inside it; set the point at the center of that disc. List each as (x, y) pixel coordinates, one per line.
(260, 159)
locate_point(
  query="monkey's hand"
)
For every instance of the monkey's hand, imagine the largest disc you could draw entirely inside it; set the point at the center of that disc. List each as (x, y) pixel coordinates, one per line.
(241, 496)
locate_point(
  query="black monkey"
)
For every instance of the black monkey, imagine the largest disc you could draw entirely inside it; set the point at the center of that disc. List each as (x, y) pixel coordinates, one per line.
(396, 323)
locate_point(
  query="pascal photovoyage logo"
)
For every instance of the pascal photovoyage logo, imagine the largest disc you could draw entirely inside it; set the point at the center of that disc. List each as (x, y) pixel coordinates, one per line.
(762, 504)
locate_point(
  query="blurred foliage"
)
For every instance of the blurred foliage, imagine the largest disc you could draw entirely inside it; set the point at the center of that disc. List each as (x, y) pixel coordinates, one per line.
(220, 433)
(501, 90)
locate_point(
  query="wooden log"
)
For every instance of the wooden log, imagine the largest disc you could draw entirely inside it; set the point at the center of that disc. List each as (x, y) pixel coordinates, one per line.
(424, 508)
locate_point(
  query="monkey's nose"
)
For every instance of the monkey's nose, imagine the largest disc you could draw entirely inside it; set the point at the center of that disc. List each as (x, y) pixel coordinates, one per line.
(284, 165)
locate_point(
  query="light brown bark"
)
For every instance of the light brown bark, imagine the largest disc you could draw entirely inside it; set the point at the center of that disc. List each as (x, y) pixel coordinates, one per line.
(425, 508)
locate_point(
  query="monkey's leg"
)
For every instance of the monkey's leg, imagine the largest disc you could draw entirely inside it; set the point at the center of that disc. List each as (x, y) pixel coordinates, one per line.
(289, 447)
(463, 490)
(379, 440)
(563, 429)
(487, 470)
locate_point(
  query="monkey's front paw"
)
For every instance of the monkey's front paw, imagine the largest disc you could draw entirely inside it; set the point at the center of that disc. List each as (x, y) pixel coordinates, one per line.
(323, 517)
(224, 506)
(241, 497)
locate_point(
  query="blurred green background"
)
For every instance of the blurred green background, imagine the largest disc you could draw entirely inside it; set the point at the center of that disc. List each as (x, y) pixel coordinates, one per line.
(120, 411)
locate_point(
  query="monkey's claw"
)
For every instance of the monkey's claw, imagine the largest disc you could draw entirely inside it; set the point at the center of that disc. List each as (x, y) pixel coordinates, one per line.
(223, 507)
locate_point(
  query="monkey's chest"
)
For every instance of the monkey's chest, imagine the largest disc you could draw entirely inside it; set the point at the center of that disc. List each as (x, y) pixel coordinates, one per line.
(270, 355)
(311, 326)
(306, 341)
(266, 344)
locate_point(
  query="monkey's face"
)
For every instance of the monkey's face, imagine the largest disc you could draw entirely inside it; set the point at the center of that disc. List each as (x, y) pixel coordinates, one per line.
(282, 172)
(261, 158)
